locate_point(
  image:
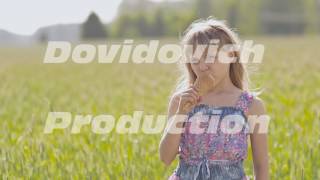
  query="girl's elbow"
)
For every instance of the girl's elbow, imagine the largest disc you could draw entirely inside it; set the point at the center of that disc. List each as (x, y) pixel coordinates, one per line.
(165, 159)
(166, 153)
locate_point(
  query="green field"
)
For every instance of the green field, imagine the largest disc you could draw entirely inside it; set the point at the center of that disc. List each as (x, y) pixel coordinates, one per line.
(30, 89)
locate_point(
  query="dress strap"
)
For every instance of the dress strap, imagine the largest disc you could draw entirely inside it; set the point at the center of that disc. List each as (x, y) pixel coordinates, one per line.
(245, 101)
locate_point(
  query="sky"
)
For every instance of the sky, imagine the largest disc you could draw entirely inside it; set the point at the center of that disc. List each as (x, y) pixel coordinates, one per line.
(26, 16)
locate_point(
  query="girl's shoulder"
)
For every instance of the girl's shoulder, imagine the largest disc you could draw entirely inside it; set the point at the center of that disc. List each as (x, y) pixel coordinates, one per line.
(255, 103)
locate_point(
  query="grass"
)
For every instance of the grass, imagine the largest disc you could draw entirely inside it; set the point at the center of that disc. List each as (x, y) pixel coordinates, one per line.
(30, 89)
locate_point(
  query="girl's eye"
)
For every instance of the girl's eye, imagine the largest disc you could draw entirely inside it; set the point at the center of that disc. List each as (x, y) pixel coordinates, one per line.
(210, 59)
(194, 61)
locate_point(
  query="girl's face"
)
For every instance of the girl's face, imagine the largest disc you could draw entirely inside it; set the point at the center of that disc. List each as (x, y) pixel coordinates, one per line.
(210, 64)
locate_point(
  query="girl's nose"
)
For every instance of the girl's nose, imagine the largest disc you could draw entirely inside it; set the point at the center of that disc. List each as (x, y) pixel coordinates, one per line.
(203, 66)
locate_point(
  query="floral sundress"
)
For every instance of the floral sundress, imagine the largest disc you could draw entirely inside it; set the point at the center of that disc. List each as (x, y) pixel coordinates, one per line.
(219, 154)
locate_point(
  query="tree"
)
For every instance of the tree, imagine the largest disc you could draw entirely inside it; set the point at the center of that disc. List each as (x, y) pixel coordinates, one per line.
(203, 8)
(92, 28)
(159, 24)
(142, 25)
(283, 17)
(43, 38)
(233, 15)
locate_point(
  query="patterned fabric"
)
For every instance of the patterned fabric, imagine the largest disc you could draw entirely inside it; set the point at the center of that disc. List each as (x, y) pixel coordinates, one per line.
(214, 153)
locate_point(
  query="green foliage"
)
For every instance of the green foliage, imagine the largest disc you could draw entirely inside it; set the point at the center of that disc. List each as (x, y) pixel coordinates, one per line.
(249, 17)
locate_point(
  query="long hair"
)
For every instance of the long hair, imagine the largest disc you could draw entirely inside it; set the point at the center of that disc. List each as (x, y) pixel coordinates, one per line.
(202, 32)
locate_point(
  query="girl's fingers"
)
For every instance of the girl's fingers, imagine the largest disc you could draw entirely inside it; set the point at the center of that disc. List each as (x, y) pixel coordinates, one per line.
(194, 87)
(190, 97)
(190, 94)
(194, 96)
(193, 91)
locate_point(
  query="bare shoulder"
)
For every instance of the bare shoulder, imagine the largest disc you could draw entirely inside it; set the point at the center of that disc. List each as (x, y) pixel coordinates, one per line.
(257, 107)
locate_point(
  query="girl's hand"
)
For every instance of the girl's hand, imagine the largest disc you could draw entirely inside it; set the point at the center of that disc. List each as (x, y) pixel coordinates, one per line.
(188, 99)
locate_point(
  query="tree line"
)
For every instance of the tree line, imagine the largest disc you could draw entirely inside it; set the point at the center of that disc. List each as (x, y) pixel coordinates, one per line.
(143, 18)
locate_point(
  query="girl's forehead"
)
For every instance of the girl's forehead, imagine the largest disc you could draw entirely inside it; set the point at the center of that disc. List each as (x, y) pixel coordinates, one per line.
(206, 36)
(199, 49)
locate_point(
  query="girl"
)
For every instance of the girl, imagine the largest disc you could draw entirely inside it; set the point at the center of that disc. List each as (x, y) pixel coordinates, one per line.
(218, 155)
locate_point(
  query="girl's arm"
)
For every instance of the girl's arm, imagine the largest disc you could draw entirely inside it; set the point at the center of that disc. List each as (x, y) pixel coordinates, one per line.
(259, 144)
(169, 144)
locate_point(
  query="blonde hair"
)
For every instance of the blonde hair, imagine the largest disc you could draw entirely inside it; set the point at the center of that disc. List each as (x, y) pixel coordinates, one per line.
(202, 32)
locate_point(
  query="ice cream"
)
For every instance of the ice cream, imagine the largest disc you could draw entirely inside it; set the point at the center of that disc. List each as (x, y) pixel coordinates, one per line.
(203, 84)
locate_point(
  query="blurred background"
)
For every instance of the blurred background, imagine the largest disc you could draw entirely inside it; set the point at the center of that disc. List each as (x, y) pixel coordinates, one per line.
(81, 20)
(29, 89)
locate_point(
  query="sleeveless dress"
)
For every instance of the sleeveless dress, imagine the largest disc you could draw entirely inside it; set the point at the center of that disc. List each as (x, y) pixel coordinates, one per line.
(219, 154)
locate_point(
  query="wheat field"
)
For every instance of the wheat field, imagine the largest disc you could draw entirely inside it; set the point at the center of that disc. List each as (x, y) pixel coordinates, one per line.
(30, 89)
